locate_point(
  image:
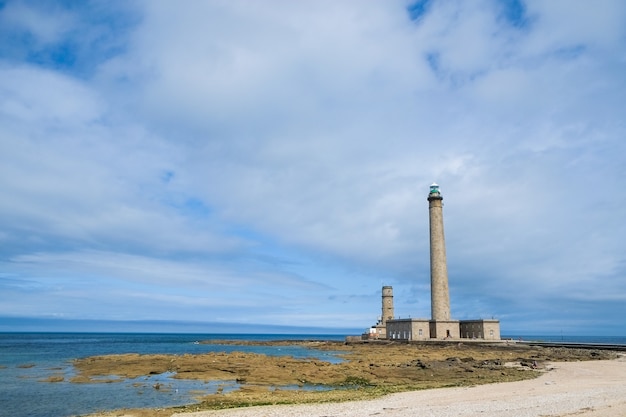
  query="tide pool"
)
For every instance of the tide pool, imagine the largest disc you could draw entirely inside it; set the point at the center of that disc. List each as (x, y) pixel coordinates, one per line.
(28, 360)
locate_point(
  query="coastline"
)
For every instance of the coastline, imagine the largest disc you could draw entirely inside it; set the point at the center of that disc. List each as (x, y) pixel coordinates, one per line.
(398, 377)
(581, 389)
(40, 366)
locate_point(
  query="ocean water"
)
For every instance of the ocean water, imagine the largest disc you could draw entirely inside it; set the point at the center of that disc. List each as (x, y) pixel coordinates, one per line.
(27, 359)
(610, 340)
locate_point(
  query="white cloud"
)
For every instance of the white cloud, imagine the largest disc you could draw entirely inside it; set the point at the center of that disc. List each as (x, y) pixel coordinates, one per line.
(292, 146)
(565, 24)
(34, 96)
(47, 26)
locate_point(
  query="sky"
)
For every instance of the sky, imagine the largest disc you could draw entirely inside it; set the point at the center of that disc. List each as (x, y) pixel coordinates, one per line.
(242, 165)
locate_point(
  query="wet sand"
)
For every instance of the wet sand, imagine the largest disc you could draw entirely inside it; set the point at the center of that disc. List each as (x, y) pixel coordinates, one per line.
(580, 389)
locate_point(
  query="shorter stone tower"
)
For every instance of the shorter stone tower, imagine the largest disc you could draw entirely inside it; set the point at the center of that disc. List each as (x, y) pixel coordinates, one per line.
(387, 304)
(379, 331)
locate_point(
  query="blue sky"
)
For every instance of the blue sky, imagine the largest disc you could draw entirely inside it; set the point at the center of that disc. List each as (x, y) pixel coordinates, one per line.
(266, 164)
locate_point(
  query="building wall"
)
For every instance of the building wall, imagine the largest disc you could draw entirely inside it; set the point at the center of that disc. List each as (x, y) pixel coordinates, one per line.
(424, 329)
(492, 330)
(444, 329)
(381, 331)
(408, 329)
(480, 329)
(375, 332)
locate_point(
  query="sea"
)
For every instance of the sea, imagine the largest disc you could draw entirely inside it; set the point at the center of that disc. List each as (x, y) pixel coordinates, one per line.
(27, 360)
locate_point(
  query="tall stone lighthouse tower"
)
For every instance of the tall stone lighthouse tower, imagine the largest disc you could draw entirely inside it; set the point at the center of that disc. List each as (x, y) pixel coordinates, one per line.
(439, 293)
(441, 325)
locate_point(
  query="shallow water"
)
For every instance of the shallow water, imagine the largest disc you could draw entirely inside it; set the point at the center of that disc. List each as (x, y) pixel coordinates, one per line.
(27, 359)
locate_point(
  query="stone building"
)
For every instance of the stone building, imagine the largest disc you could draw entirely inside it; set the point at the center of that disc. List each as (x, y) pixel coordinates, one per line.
(379, 331)
(408, 329)
(440, 325)
(488, 329)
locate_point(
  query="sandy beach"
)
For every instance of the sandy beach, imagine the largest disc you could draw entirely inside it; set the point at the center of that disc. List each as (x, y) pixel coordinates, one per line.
(581, 389)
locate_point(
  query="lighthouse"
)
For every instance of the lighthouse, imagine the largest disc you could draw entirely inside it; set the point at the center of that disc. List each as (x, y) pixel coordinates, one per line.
(439, 292)
(441, 326)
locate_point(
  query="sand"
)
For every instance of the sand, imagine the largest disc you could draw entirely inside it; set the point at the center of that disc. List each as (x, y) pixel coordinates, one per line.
(580, 389)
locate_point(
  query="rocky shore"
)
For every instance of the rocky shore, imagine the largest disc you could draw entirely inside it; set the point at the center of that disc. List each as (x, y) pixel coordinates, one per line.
(369, 370)
(568, 389)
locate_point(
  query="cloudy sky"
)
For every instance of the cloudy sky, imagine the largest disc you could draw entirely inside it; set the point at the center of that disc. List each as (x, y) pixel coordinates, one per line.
(267, 162)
